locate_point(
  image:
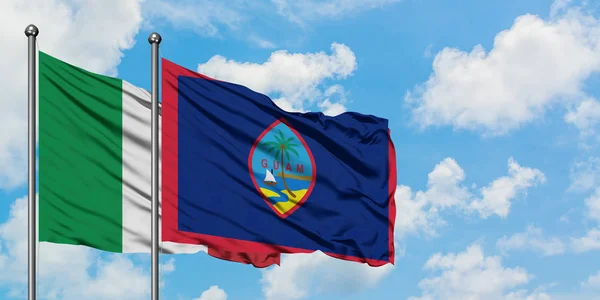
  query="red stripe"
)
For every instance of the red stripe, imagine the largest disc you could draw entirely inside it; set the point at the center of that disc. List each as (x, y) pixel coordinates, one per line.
(222, 248)
(391, 195)
(258, 254)
(169, 152)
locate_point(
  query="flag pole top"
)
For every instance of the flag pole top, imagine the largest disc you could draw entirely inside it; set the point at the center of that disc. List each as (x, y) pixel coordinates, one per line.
(154, 38)
(32, 30)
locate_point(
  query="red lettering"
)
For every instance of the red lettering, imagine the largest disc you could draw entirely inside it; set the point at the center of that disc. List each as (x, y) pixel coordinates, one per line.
(299, 168)
(288, 167)
(264, 163)
(276, 165)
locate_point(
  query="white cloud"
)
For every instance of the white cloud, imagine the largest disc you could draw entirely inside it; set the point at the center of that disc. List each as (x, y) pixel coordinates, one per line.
(331, 109)
(532, 239)
(589, 242)
(559, 6)
(164, 269)
(592, 282)
(585, 175)
(586, 116)
(427, 53)
(213, 293)
(214, 18)
(420, 211)
(334, 102)
(296, 78)
(525, 295)
(108, 282)
(472, 275)
(68, 30)
(288, 106)
(533, 65)
(168, 266)
(497, 196)
(261, 42)
(301, 275)
(443, 184)
(202, 16)
(592, 204)
(301, 11)
(415, 214)
(65, 271)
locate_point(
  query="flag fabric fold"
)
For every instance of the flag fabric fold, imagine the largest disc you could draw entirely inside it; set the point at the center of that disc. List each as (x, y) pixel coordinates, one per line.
(241, 174)
(95, 163)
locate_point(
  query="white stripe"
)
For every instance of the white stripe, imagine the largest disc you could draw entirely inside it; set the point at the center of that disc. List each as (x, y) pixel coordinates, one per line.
(137, 175)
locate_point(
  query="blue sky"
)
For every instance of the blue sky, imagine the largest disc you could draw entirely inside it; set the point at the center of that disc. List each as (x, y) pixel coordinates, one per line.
(494, 112)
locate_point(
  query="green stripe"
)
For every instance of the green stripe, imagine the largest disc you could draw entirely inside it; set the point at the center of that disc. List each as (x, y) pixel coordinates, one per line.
(80, 156)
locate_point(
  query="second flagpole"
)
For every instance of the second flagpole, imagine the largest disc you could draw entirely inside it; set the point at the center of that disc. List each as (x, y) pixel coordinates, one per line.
(154, 39)
(31, 32)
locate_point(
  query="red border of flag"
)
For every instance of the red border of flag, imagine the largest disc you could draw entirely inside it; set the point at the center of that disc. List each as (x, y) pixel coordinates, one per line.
(257, 254)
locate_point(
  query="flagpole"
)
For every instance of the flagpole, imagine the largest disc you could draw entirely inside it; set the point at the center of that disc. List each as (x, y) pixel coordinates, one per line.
(154, 39)
(31, 32)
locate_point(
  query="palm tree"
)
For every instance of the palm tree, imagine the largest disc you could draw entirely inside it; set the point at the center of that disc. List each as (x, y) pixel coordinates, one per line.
(283, 145)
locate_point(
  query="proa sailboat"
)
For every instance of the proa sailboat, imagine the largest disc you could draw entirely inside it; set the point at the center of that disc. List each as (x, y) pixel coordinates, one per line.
(269, 178)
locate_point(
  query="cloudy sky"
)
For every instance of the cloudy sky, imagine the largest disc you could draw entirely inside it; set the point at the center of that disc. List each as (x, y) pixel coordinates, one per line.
(493, 107)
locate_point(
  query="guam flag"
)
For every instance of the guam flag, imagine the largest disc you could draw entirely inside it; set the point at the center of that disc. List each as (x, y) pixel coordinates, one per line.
(250, 180)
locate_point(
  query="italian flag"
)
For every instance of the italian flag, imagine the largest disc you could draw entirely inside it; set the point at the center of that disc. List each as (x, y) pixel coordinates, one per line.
(95, 161)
